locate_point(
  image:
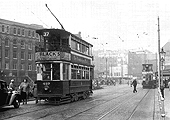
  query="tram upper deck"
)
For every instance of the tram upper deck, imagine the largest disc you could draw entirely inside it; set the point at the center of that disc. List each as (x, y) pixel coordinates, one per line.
(61, 55)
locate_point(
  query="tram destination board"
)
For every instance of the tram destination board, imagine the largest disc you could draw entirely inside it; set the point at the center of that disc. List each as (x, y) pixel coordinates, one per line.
(52, 55)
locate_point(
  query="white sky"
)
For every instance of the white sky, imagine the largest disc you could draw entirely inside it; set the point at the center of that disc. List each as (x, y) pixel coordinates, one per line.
(111, 21)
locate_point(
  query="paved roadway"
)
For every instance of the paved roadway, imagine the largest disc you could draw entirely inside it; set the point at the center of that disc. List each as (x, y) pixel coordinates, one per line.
(111, 103)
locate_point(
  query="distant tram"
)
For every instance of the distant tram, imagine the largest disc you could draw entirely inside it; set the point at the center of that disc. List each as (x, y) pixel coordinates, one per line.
(148, 76)
(65, 67)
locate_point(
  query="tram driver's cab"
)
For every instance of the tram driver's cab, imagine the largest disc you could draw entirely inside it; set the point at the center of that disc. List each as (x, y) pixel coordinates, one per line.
(52, 71)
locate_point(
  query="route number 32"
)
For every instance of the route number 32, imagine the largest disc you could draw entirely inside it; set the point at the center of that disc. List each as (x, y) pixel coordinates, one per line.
(46, 34)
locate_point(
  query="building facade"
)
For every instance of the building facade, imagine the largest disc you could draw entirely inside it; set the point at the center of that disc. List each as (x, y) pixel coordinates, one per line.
(17, 50)
(123, 64)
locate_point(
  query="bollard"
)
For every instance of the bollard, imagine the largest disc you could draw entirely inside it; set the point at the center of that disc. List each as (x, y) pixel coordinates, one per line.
(163, 109)
(161, 105)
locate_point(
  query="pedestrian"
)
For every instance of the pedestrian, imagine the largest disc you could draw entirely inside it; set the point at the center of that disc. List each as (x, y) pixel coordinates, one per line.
(35, 92)
(134, 83)
(169, 85)
(24, 88)
(11, 85)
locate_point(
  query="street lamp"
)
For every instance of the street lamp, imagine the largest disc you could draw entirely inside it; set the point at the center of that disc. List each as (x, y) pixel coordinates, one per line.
(162, 60)
(104, 52)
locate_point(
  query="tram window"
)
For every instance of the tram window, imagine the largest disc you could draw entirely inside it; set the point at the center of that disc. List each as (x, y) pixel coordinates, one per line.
(46, 68)
(87, 74)
(78, 74)
(46, 76)
(73, 74)
(56, 71)
(83, 75)
(65, 71)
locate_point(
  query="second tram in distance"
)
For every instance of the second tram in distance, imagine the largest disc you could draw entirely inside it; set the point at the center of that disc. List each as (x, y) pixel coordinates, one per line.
(148, 76)
(64, 64)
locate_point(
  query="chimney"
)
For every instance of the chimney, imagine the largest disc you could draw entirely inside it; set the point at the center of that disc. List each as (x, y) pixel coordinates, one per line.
(79, 33)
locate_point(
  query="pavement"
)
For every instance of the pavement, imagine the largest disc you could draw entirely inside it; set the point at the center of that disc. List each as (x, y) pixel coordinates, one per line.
(162, 106)
(167, 104)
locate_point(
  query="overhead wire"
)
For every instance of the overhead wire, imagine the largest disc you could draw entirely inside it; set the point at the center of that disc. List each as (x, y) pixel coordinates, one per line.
(36, 16)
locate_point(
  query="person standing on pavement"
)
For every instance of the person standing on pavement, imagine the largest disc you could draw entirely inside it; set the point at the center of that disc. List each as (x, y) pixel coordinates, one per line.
(24, 87)
(11, 85)
(35, 92)
(134, 83)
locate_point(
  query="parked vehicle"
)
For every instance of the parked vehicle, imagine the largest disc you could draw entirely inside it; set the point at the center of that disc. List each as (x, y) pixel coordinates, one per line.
(8, 97)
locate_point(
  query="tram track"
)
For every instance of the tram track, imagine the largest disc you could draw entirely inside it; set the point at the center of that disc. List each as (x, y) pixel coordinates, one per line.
(134, 110)
(53, 107)
(119, 105)
(86, 109)
(125, 101)
(99, 105)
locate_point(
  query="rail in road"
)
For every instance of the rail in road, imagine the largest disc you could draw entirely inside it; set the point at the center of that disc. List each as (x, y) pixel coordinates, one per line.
(107, 104)
(45, 107)
(126, 101)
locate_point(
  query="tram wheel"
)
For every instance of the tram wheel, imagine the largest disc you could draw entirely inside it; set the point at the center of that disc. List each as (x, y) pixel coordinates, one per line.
(76, 97)
(72, 98)
(84, 95)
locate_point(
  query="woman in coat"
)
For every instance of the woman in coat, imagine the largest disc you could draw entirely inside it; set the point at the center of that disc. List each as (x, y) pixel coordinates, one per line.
(24, 87)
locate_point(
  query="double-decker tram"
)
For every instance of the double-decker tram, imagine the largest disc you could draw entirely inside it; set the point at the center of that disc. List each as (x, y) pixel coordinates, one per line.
(148, 76)
(64, 66)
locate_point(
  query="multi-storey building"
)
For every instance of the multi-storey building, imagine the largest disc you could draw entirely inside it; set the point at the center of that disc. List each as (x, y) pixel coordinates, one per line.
(122, 64)
(17, 48)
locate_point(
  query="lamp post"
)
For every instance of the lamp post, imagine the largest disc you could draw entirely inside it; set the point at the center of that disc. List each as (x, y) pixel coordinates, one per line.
(162, 60)
(105, 57)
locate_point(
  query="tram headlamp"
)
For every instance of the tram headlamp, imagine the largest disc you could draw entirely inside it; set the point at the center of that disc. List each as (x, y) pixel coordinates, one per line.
(46, 85)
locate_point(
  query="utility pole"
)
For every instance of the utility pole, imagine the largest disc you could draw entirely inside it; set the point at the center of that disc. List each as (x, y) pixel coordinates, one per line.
(160, 74)
(159, 61)
(106, 68)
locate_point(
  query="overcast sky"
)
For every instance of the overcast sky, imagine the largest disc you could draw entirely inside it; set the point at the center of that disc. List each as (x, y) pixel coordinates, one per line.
(123, 24)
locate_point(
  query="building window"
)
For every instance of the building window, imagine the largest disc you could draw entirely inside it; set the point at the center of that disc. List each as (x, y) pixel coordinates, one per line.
(15, 31)
(7, 42)
(29, 56)
(22, 44)
(7, 29)
(6, 65)
(30, 45)
(15, 66)
(23, 32)
(22, 66)
(22, 55)
(37, 36)
(15, 54)
(3, 28)
(7, 53)
(33, 34)
(19, 31)
(15, 43)
(29, 33)
(29, 67)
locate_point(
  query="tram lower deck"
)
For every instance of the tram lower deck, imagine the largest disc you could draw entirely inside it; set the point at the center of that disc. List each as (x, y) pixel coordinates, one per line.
(57, 90)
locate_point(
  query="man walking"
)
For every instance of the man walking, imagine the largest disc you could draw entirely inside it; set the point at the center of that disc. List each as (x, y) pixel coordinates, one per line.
(134, 83)
(169, 85)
